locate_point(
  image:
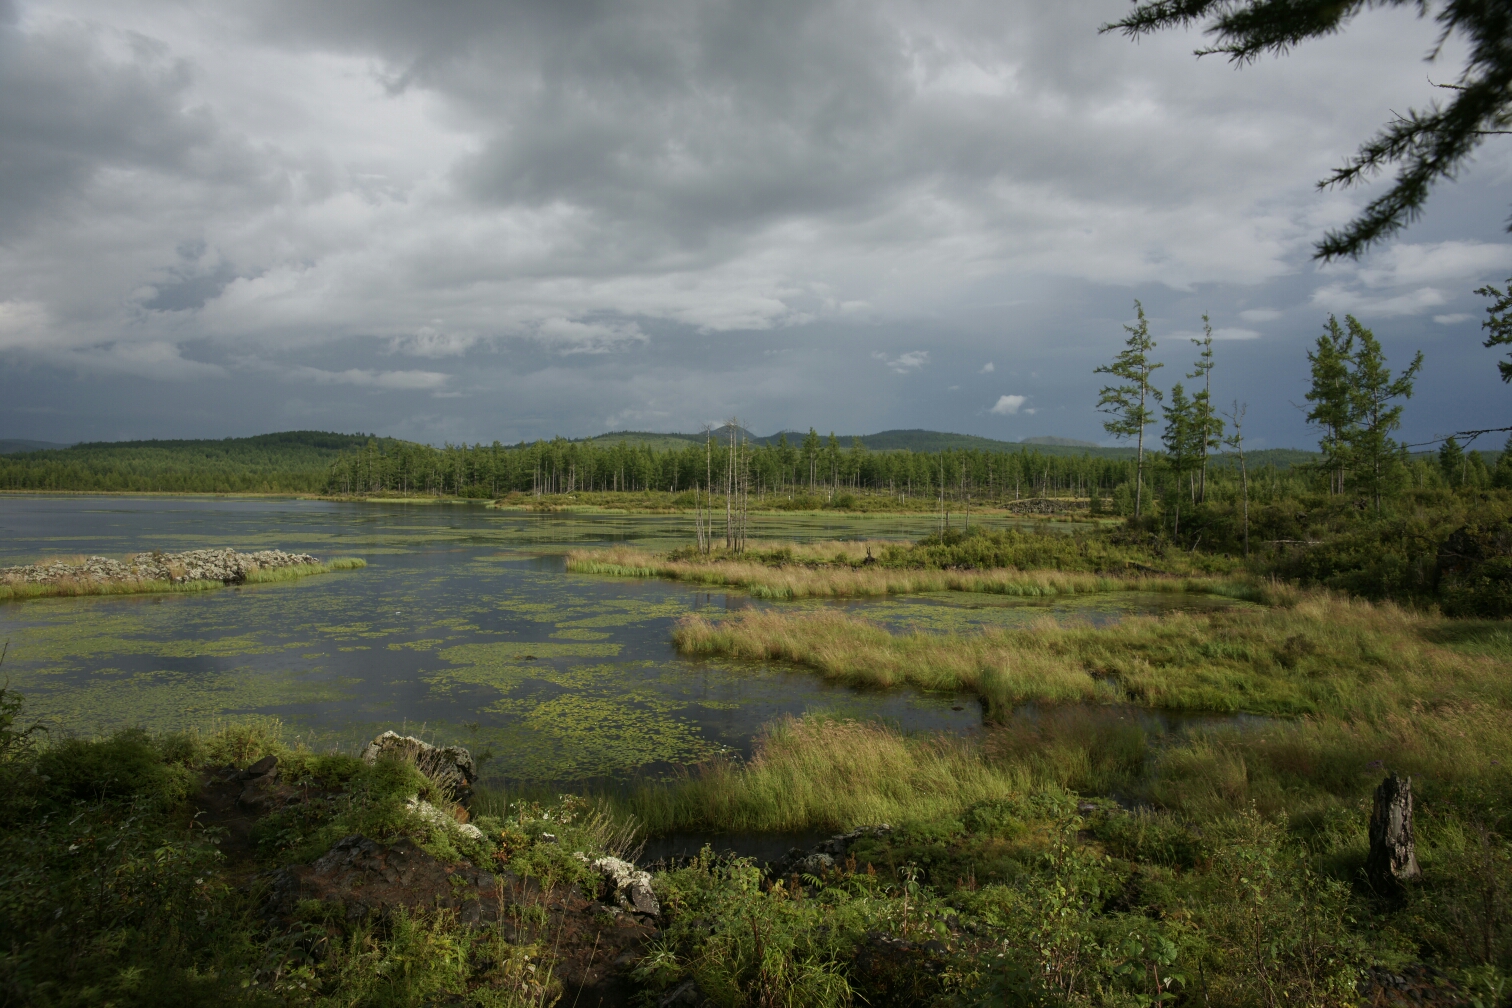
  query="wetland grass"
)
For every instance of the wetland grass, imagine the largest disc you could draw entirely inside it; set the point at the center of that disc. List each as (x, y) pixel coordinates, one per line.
(1324, 655)
(823, 773)
(842, 575)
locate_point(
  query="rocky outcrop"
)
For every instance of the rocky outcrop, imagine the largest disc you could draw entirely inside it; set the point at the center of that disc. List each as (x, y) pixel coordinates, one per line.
(425, 810)
(628, 886)
(1392, 859)
(450, 767)
(825, 855)
(1047, 505)
(224, 565)
(259, 786)
(358, 876)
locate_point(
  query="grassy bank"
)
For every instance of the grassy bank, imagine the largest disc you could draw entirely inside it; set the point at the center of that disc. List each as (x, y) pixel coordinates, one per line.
(15, 591)
(1238, 882)
(1323, 654)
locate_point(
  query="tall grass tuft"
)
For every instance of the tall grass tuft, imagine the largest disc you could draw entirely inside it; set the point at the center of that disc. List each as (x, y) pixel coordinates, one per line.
(792, 581)
(820, 772)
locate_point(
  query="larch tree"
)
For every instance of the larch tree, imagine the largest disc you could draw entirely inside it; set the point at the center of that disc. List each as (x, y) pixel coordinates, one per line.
(1429, 145)
(1332, 408)
(1235, 443)
(1128, 403)
(1499, 323)
(1184, 438)
(1209, 427)
(1373, 391)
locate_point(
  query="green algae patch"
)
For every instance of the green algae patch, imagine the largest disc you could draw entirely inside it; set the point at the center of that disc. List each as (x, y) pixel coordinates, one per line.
(162, 700)
(575, 633)
(515, 651)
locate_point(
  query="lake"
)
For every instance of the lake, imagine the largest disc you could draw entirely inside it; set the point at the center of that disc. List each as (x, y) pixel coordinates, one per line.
(465, 627)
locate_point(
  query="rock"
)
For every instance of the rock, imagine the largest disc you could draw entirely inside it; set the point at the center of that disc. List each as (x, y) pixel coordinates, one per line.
(1392, 860)
(824, 855)
(266, 765)
(451, 767)
(630, 887)
(425, 810)
(224, 565)
(684, 995)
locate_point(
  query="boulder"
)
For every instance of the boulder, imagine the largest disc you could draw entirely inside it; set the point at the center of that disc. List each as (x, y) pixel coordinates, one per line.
(425, 810)
(629, 886)
(451, 767)
(258, 783)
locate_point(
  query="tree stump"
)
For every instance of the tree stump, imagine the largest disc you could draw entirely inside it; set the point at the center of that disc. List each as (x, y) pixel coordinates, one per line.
(1392, 861)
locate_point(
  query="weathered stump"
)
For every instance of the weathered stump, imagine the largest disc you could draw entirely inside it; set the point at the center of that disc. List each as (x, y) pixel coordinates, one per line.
(1392, 861)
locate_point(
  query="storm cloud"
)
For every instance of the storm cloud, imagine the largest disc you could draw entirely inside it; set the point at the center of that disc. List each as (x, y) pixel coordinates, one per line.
(509, 220)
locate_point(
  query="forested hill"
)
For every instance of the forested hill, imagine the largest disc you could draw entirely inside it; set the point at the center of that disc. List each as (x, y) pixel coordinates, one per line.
(914, 440)
(289, 462)
(318, 461)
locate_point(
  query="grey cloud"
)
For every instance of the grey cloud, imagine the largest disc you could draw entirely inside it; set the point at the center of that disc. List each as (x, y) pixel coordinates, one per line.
(624, 204)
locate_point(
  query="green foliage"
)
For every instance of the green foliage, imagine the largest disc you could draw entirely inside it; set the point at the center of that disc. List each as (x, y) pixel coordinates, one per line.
(290, 462)
(1430, 145)
(128, 764)
(1128, 403)
(1498, 324)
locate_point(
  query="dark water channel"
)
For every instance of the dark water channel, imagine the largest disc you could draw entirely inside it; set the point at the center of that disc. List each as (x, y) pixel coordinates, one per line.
(464, 627)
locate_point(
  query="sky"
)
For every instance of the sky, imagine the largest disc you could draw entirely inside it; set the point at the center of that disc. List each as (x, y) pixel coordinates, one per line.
(491, 220)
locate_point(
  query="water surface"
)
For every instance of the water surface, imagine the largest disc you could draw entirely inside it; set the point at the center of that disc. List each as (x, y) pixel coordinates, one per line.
(464, 627)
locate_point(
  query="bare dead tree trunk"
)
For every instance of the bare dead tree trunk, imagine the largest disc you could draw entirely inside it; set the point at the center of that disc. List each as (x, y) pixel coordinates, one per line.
(1392, 861)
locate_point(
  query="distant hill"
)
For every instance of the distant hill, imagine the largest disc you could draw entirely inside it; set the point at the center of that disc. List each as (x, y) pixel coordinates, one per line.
(1063, 442)
(888, 440)
(11, 446)
(289, 462)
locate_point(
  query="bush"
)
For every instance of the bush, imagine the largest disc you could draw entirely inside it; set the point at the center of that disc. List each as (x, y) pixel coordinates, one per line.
(128, 764)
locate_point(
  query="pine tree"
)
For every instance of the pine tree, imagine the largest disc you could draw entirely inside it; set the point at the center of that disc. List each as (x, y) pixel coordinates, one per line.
(1371, 391)
(1332, 409)
(1235, 441)
(1452, 463)
(811, 455)
(1128, 403)
(1184, 438)
(1502, 476)
(1209, 427)
(1499, 323)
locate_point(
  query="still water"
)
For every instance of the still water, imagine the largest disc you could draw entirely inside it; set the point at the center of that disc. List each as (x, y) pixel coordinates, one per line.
(464, 627)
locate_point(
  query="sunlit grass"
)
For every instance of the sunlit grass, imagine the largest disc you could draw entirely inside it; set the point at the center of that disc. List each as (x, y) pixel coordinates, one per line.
(816, 772)
(1326, 654)
(839, 579)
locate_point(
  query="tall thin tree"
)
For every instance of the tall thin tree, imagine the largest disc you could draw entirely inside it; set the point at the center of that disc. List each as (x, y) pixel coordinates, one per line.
(1236, 442)
(1372, 389)
(1128, 403)
(1210, 428)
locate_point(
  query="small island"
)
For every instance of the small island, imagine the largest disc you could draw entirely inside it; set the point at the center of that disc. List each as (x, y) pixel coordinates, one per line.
(192, 570)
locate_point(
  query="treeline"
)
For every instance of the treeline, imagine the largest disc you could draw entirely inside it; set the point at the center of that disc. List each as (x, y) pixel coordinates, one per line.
(816, 467)
(289, 462)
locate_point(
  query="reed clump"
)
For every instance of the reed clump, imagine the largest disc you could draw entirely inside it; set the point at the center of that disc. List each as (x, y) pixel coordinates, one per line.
(817, 772)
(776, 580)
(1326, 654)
